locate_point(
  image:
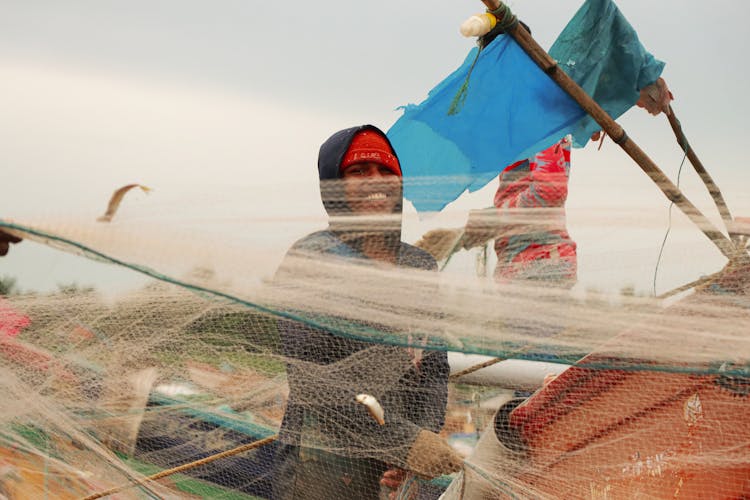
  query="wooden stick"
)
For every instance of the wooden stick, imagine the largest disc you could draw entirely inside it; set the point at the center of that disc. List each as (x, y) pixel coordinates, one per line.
(692, 284)
(616, 132)
(184, 467)
(713, 189)
(455, 376)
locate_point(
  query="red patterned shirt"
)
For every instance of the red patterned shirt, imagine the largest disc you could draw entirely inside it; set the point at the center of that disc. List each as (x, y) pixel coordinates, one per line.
(535, 243)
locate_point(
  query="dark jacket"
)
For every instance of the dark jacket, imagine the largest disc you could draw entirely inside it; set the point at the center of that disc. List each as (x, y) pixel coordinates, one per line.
(331, 368)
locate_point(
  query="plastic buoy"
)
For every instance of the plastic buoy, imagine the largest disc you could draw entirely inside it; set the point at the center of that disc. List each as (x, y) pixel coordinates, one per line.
(478, 25)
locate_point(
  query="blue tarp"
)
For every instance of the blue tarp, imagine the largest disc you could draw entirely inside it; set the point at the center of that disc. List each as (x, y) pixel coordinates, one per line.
(511, 109)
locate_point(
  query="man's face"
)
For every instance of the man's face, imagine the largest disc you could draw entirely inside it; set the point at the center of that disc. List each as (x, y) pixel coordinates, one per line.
(371, 188)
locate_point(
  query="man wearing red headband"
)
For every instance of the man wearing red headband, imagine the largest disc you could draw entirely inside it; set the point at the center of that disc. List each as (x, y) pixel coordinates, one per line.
(331, 447)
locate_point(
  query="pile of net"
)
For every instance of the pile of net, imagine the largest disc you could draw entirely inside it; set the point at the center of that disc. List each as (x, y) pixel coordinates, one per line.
(337, 371)
(251, 342)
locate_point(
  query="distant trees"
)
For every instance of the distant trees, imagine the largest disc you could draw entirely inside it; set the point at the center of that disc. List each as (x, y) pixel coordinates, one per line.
(8, 286)
(74, 289)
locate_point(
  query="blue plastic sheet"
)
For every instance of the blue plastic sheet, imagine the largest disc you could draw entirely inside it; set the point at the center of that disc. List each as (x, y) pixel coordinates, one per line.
(511, 109)
(600, 51)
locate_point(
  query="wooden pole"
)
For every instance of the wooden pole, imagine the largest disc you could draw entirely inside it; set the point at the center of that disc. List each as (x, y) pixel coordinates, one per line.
(614, 130)
(713, 189)
(455, 376)
(692, 284)
(184, 467)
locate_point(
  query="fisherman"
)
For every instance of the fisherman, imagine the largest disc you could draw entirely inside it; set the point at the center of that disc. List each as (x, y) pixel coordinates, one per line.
(532, 245)
(331, 447)
(528, 222)
(546, 256)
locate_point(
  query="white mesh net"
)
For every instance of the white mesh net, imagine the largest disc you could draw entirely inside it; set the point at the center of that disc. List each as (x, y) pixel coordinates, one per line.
(340, 370)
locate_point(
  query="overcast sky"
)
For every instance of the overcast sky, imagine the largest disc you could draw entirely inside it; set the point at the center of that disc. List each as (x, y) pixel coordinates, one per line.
(226, 96)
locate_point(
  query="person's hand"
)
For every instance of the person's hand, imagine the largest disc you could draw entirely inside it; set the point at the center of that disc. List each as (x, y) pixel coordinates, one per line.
(655, 98)
(481, 227)
(5, 241)
(393, 479)
(430, 456)
(440, 243)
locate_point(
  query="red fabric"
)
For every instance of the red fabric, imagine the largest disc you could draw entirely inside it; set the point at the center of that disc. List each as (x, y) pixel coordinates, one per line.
(536, 250)
(540, 181)
(14, 350)
(370, 147)
(11, 321)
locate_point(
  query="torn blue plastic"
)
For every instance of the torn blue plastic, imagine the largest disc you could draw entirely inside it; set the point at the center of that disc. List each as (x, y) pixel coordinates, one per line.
(511, 109)
(601, 52)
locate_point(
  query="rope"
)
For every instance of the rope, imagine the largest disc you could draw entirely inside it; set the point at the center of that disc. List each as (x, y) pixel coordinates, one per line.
(356, 332)
(669, 225)
(458, 100)
(506, 21)
(188, 466)
(349, 331)
(474, 368)
(713, 189)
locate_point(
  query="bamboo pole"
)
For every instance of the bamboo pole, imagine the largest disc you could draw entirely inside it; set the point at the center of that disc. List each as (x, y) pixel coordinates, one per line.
(455, 376)
(713, 189)
(692, 284)
(614, 130)
(184, 467)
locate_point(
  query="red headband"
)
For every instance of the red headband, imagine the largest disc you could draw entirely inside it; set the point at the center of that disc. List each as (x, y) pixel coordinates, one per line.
(369, 146)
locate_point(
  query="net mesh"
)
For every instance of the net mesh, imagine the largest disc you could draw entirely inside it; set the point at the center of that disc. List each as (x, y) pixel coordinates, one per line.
(373, 376)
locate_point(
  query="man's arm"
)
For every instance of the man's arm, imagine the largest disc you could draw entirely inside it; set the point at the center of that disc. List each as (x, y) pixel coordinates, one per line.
(539, 182)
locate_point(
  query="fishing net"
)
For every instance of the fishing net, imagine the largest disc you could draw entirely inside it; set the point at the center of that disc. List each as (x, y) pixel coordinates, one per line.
(335, 369)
